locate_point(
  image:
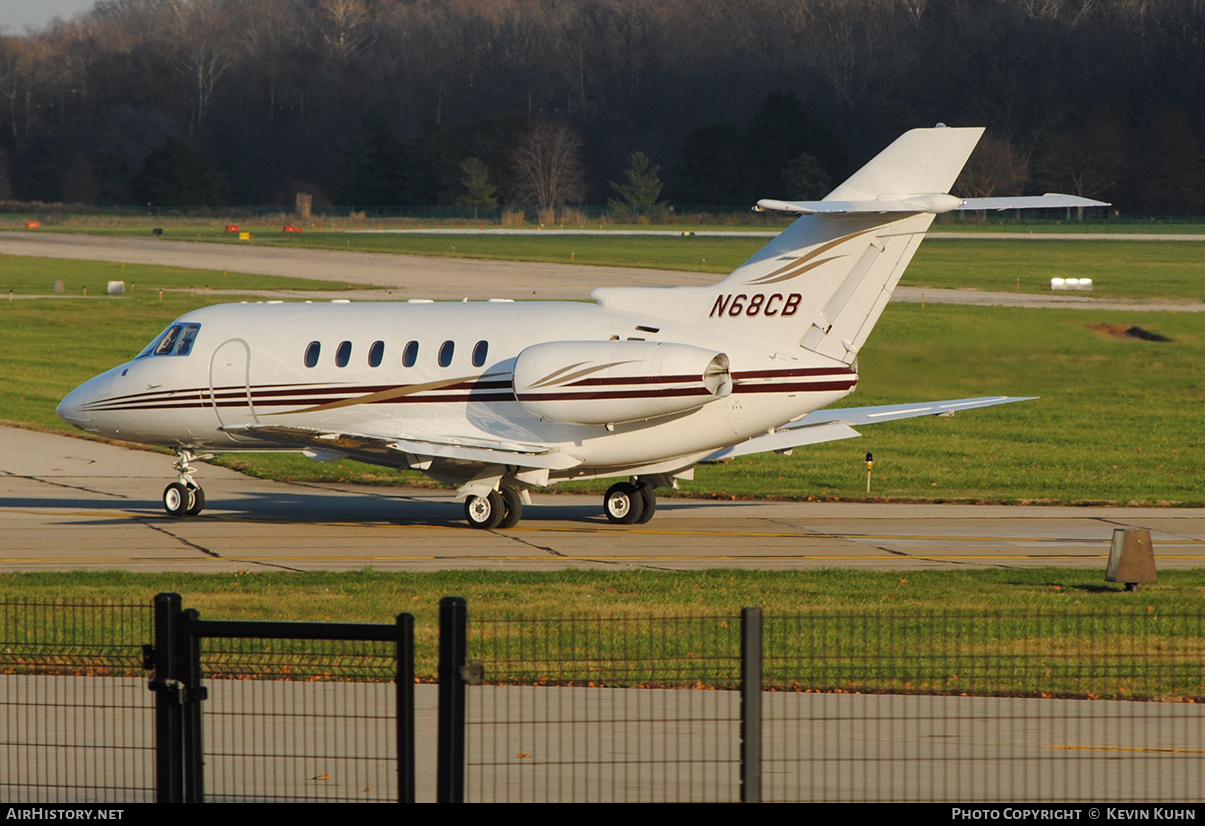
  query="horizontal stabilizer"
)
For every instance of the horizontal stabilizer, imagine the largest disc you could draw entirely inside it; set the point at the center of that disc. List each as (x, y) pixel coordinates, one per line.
(933, 202)
(1050, 200)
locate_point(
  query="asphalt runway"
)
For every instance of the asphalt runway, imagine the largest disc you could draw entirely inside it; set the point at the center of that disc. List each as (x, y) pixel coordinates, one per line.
(68, 504)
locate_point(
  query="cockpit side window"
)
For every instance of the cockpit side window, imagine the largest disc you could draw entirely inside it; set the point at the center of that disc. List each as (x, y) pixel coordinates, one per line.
(187, 337)
(154, 345)
(168, 341)
(176, 340)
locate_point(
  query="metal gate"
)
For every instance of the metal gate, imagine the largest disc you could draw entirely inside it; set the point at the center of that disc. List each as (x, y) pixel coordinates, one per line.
(277, 711)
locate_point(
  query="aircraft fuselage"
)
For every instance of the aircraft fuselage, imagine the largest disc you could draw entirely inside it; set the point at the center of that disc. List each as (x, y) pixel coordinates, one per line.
(436, 371)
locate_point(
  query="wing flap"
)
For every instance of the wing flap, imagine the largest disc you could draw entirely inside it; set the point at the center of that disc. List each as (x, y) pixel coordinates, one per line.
(787, 439)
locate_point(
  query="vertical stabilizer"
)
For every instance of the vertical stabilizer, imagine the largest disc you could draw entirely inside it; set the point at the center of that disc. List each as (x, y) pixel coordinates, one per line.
(823, 282)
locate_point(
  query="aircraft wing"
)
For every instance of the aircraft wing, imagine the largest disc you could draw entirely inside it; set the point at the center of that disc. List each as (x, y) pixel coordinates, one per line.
(406, 452)
(832, 425)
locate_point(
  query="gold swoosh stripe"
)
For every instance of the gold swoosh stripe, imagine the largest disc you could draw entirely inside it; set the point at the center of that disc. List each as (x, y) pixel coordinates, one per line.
(559, 377)
(820, 250)
(386, 395)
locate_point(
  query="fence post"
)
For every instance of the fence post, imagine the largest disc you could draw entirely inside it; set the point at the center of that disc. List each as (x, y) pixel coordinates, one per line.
(191, 717)
(404, 680)
(453, 645)
(751, 697)
(166, 683)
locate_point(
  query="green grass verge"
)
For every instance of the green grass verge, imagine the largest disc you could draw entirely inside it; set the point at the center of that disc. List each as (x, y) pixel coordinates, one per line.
(37, 276)
(1120, 269)
(1015, 632)
(1167, 270)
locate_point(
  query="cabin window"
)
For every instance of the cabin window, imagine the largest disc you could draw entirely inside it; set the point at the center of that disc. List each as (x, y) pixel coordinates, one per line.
(410, 354)
(480, 350)
(376, 353)
(445, 353)
(311, 354)
(343, 354)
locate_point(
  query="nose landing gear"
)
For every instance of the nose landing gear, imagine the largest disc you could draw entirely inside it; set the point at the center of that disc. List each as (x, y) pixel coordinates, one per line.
(184, 497)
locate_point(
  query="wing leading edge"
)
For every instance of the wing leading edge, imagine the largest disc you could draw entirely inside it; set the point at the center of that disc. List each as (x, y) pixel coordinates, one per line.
(833, 425)
(401, 452)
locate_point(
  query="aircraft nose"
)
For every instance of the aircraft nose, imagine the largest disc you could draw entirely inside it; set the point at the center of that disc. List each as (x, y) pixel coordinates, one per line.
(76, 409)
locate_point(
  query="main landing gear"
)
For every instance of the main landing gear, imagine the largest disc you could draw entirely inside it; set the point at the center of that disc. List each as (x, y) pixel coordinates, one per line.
(500, 509)
(628, 503)
(184, 497)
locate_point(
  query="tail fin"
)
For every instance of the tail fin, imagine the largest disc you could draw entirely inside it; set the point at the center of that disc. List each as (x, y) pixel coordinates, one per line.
(823, 283)
(829, 275)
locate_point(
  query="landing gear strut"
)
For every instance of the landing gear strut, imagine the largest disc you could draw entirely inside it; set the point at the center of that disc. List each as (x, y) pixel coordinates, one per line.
(184, 497)
(630, 504)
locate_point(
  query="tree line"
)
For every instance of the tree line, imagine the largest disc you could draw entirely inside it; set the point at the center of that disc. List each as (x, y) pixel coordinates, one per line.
(393, 102)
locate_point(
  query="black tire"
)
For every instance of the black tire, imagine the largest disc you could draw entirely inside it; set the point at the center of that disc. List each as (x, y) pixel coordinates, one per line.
(512, 506)
(177, 499)
(198, 500)
(623, 504)
(649, 501)
(485, 512)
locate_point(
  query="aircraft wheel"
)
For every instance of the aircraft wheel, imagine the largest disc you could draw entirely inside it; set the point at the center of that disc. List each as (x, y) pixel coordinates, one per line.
(512, 505)
(197, 500)
(485, 512)
(177, 499)
(649, 500)
(623, 503)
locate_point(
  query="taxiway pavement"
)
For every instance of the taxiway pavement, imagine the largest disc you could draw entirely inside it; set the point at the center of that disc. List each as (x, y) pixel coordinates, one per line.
(399, 277)
(68, 504)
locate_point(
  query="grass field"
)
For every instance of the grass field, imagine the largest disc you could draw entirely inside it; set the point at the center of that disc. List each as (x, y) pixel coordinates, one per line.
(22, 275)
(1120, 269)
(1018, 632)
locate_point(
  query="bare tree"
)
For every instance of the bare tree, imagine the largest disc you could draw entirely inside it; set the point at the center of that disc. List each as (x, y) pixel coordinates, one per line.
(199, 56)
(548, 166)
(994, 168)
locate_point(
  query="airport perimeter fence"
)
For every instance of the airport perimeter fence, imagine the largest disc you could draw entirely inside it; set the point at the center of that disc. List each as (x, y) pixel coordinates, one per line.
(886, 705)
(76, 719)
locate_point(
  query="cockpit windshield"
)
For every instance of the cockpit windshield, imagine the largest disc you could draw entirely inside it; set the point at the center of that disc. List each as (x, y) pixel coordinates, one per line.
(176, 340)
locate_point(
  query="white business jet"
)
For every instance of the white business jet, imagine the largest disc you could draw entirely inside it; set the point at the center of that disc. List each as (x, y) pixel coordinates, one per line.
(498, 397)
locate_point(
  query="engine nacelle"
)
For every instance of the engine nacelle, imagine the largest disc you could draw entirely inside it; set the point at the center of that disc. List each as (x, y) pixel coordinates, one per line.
(607, 382)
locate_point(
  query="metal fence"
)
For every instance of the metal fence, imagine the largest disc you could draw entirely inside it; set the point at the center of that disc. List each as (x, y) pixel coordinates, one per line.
(623, 709)
(957, 706)
(885, 705)
(878, 706)
(75, 715)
